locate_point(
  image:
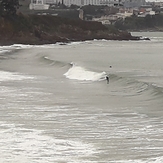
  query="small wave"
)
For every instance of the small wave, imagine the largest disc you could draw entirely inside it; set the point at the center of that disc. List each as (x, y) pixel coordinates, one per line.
(47, 60)
(21, 46)
(80, 73)
(4, 51)
(150, 160)
(8, 76)
(52, 62)
(75, 43)
(16, 46)
(131, 86)
(156, 91)
(127, 86)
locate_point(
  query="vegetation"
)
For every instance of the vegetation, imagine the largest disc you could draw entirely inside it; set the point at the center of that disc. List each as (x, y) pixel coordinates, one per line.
(93, 10)
(8, 7)
(46, 29)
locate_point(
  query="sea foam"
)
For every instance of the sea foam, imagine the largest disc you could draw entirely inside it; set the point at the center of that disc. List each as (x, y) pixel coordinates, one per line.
(80, 73)
(7, 76)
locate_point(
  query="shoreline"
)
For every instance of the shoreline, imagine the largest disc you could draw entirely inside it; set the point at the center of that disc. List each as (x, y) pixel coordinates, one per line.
(10, 43)
(39, 30)
(65, 43)
(62, 41)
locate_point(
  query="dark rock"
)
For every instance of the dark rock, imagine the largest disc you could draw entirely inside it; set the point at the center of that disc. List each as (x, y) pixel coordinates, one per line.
(34, 29)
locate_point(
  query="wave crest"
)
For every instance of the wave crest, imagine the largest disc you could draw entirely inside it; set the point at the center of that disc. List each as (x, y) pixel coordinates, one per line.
(80, 73)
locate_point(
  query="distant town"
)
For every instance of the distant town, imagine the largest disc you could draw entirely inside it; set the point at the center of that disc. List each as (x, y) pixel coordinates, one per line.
(104, 11)
(48, 22)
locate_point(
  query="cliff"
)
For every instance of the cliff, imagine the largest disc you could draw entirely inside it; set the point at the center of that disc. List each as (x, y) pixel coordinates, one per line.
(46, 29)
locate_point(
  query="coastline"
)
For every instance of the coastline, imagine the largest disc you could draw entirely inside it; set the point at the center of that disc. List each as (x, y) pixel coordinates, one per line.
(53, 39)
(48, 40)
(39, 30)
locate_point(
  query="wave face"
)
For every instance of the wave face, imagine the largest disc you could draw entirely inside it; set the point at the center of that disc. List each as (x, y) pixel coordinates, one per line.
(80, 73)
(52, 62)
(55, 111)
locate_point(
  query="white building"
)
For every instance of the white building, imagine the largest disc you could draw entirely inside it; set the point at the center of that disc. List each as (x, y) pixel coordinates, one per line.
(82, 2)
(126, 3)
(43, 4)
(38, 5)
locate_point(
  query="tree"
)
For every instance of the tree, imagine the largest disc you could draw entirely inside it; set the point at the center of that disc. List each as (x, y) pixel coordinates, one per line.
(9, 7)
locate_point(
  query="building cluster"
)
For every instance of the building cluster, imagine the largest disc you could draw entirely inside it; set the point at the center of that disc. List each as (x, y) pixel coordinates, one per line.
(127, 3)
(126, 8)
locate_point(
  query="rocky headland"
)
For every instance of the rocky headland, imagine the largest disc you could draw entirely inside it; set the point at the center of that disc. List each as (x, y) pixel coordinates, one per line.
(46, 29)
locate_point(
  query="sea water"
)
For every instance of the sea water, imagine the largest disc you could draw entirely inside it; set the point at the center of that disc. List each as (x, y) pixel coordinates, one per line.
(56, 105)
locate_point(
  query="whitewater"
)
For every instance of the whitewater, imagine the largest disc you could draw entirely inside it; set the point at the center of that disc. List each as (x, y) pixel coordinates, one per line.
(56, 105)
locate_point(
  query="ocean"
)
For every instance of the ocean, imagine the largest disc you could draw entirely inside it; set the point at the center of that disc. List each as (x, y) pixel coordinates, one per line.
(56, 105)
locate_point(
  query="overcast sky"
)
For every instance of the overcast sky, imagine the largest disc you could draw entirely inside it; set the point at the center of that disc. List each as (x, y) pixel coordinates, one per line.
(154, 0)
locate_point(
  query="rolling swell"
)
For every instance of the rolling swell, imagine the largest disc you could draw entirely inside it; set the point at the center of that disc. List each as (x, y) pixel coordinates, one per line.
(156, 91)
(7, 53)
(122, 85)
(129, 86)
(50, 62)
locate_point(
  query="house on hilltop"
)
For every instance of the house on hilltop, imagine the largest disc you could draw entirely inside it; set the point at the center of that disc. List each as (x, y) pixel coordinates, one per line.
(38, 5)
(77, 2)
(133, 3)
(44, 4)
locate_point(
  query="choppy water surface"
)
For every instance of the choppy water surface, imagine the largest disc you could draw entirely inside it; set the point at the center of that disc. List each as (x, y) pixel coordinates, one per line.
(56, 105)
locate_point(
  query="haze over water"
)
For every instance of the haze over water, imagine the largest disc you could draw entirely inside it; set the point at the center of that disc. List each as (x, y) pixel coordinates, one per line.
(56, 106)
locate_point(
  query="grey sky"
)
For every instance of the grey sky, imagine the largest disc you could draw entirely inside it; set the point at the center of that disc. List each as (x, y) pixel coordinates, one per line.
(154, 0)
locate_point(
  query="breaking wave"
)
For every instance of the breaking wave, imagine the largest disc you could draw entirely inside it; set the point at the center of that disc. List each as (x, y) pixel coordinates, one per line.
(124, 84)
(81, 73)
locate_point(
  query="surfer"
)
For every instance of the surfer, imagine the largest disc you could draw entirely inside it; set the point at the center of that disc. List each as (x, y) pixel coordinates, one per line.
(107, 79)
